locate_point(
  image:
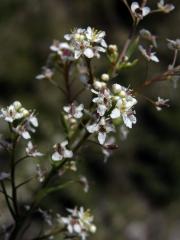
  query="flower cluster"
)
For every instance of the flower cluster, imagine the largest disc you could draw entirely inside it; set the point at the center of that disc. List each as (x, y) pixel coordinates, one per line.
(79, 222)
(22, 121)
(87, 42)
(13, 112)
(108, 109)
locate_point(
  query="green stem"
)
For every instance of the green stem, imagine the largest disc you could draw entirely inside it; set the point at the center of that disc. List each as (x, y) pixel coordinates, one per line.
(67, 82)
(7, 197)
(91, 78)
(13, 184)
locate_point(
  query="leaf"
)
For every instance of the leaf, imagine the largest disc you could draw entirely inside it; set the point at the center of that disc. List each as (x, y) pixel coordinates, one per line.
(45, 192)
(132, 48)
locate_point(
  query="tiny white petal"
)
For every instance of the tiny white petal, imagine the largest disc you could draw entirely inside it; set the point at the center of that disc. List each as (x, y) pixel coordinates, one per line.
(26, 135)
(34, 121)
(89, 53)
(92, 128)
(101, 137)
(134, 6)
(56, 156)
(115, 113)
(68, 154)
(146, 11)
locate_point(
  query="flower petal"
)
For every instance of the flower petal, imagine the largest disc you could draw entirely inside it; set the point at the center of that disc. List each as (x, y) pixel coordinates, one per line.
(102, 137)
(56, 156)
(88, 52)
(115, 113)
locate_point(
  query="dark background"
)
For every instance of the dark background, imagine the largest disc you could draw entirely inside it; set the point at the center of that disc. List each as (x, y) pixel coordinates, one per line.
(135, 195)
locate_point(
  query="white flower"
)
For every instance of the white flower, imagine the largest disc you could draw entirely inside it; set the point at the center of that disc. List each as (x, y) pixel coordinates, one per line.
(174, 44)
(60, 151)
(138, 11)
(74, 111)
(148, 54)
(32, 151)
(160, 103)
(22, 131)
(79, 222)
(64, 50)
(103, 100)
(109, 147)
(88, 42)
(13, 112)
(29, 125)
(124, 105)
(102, 127)
(47, 73)
(166, 8)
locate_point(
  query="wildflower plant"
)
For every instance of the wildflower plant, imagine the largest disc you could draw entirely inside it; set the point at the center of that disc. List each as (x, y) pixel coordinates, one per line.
(111, 111)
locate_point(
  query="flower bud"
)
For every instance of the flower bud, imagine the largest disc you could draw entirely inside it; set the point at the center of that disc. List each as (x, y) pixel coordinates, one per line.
(17, 105)
(116, 88)
(112, 48)
(105, 77)
(92, 229)
(122, 93)
(99, 85)
(25, 112)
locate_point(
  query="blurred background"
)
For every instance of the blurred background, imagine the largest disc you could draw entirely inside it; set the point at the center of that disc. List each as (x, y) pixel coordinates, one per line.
(136, 194)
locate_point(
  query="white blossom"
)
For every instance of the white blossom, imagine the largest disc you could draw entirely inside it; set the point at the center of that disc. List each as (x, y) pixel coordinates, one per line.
(138, 11)
(29, 125)
(13, 112)
(22, 131)
(108, 148)
(160, 103)
(102, 127)
(47, 73)
(31, 150)
(64, 50)
(79, 222)
(124, 105)
(74, 111)
(88, 42)
(148, 54)
(166, 8)
(103, 100)
(60, 151)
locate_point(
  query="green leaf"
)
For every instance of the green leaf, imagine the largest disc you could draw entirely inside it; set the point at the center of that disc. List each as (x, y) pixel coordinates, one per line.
(45, 192)
(132, 48)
